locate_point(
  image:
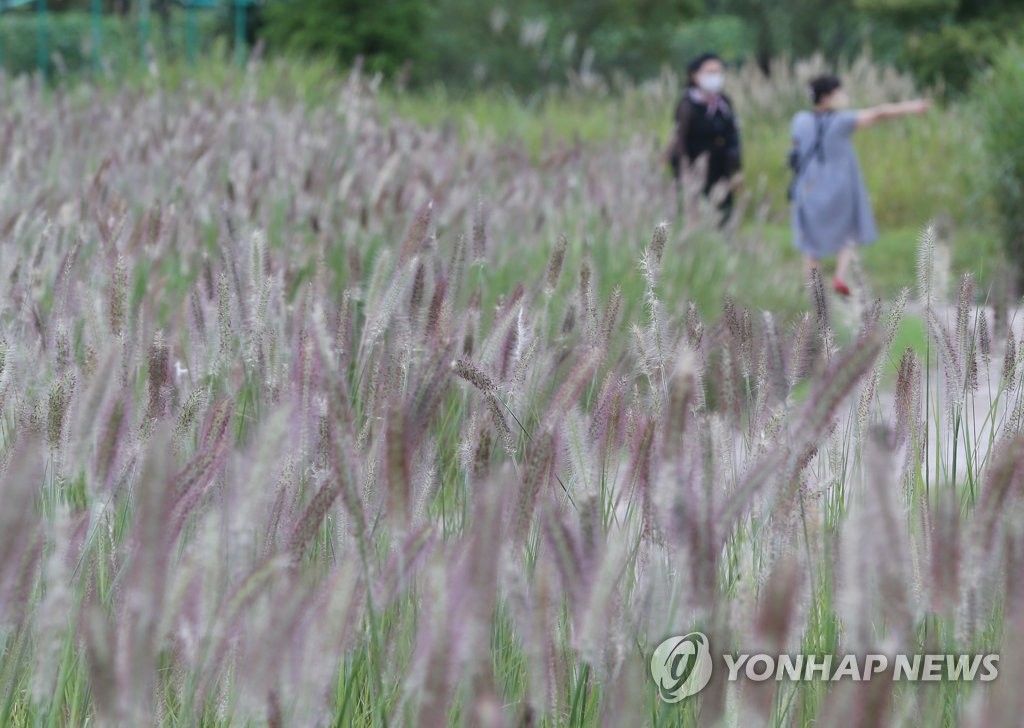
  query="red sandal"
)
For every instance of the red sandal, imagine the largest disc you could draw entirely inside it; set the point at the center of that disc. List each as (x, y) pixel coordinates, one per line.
(841, 288)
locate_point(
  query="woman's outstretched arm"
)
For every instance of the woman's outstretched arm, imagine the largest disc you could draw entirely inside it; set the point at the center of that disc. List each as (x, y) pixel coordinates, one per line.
(875, 114)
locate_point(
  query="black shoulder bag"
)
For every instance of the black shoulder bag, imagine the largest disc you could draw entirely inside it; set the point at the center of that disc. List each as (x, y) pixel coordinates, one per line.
(821, 122)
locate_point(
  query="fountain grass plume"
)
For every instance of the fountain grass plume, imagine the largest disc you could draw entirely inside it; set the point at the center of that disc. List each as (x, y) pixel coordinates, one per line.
(1010, 363)
(926, 266)
(555, 264)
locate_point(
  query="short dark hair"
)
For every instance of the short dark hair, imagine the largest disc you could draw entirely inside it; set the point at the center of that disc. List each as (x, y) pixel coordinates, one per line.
(822, 86)
(694, 65)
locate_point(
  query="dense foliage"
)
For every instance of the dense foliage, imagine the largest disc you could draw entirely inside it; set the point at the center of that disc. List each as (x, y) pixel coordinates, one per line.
(1003, 106)
(385, 33)
(461, 41)
(948, 42)
(530, 44)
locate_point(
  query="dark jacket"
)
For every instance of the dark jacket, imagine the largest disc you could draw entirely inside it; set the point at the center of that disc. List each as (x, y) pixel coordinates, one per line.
(699, 131)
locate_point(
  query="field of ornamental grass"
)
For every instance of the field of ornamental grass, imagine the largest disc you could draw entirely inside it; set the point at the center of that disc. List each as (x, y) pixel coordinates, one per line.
(326, 414)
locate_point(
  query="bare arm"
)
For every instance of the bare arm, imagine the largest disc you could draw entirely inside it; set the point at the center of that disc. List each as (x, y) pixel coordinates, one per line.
(875, 114)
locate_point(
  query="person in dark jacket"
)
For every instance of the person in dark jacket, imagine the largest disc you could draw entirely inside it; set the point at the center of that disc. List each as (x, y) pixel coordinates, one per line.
(706, 124)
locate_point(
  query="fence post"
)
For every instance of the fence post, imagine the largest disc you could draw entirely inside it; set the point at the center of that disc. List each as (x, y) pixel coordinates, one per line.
(240, 33)
(190, 30)
(97, 39)
(144, 30)
(42, 51)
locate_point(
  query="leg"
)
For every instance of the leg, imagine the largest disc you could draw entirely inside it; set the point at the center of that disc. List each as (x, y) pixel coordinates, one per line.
(843, 262)
(725, 211)
(842, 265)
(810, 264)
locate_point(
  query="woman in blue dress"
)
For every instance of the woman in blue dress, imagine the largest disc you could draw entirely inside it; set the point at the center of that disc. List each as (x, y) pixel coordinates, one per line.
(831, 211)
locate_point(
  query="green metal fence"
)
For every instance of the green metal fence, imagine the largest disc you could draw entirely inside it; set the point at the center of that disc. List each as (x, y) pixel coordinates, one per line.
(20, 11)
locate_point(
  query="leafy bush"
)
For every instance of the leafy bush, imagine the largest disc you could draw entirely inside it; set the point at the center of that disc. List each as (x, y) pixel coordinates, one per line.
(1002, 98)
(386, 33)
(908, 8)
(468, 43)
(948, 42)
(729, 35)
(952, 56)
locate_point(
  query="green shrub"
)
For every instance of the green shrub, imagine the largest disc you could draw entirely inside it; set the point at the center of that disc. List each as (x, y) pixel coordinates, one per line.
(472, 43)
(908, 8)
(729, 35)
(1002, 101)
(952, 56)
(386, 33)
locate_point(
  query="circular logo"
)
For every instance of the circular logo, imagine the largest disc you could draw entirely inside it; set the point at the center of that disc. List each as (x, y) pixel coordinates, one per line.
(681, 666)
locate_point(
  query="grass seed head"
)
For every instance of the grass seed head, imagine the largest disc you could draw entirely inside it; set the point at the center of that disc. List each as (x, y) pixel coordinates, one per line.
(555, 264)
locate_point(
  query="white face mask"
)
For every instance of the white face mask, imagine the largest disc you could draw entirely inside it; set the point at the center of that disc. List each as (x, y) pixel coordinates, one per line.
(840, 100)
(711, 82)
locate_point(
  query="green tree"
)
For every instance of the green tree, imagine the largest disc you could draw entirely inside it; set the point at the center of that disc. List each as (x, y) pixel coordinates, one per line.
(1001, 100)
(912, 10)
(647, 24)
(797, 28)
(386, 33)
(532, 43)
(950, 41)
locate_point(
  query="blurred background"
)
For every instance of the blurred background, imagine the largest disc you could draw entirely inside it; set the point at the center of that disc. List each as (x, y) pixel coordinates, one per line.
(525, 46)
(548, 76)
